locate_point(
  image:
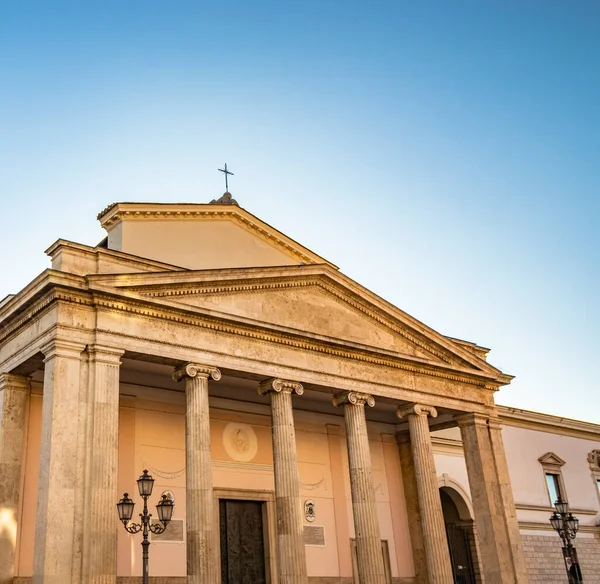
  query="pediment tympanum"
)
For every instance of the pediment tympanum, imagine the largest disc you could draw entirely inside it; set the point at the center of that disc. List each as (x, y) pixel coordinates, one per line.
(312, 301)
(311, 309)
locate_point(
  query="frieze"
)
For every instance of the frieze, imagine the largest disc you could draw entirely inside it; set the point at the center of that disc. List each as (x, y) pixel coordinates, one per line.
(272, 337)
(141, 309)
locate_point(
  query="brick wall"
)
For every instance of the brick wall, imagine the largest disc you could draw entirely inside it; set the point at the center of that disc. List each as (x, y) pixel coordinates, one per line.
(544, 557)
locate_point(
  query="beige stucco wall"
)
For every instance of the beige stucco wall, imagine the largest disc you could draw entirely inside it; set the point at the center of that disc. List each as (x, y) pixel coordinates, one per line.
(152, 435)
(523, 449)
(196, 244)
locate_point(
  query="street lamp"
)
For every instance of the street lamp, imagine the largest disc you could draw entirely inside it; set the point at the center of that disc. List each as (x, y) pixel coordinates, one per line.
(164, 510)
(566, 525)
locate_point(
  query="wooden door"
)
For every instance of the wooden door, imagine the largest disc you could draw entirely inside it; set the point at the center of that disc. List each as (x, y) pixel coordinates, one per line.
(242, 542)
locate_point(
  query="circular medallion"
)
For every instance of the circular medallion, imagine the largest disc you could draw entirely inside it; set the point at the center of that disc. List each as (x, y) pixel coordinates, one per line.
(240, 441)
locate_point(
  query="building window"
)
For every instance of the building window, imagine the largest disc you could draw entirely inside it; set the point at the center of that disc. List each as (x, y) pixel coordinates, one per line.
(553, 484)
(594, 460)
(552, 466)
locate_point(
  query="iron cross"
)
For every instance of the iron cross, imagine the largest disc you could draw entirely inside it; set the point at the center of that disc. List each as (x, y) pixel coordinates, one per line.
(226, 173)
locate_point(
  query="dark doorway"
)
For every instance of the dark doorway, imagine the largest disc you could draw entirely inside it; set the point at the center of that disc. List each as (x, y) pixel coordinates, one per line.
(458, 533)
(242, 542)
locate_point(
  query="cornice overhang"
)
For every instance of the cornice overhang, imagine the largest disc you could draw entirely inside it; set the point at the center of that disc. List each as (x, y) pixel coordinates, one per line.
(118, 212)
(166, 288)
(121, 292)
(37, 287)
(548, 423)
(131, 303)
(134, 260)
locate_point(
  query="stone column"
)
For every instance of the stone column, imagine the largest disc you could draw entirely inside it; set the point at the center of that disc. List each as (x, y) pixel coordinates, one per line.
(290, 536)
(55, 534)
(14, 401)
(200, 520)
(413, 513)
(102, 431)
(489, 500)
(366, 524)
(437, 555)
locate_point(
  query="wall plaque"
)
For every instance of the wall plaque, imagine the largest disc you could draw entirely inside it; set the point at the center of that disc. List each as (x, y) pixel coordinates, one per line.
(174, 531)
(314, 535)
(240, 442)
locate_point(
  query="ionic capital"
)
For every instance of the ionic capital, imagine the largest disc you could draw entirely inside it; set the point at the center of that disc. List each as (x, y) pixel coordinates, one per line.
(354, 398)
(191, 370)
(416, 410)
(279, 385)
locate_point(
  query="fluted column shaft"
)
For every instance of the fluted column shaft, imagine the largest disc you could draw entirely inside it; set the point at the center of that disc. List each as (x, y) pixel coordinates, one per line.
(366, 524)
(437, 555)
(14, 399)
(101, 470)
(290, 536)
(200, 544)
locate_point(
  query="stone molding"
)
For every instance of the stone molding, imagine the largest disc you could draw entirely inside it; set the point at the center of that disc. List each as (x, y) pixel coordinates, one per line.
(105, 354)
(14, 382)
(182, 316)
(416, 410)
(62, 348)
(354, 398)
(116, 212)
(548, 423)
(228, 288)
(594, 460)
(552, 462)
(196, 370)
(472, 419)
(280, 385)
(549, 509)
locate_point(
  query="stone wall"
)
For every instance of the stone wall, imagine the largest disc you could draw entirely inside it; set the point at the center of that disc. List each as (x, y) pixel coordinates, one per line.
(543, 554)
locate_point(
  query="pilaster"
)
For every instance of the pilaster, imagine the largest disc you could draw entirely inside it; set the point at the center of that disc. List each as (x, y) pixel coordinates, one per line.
(200, 531)
(488, 501)
(56, 536)
(14, 401)
(508, 502)
(437, 555)
(366, 524)
(290, 536)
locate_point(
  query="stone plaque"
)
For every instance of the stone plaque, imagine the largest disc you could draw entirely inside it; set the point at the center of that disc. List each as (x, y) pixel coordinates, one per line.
(174, 531)
(314, 535)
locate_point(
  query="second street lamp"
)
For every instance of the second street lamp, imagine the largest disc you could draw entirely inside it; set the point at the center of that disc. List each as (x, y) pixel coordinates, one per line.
(566, 525)
(164, 510)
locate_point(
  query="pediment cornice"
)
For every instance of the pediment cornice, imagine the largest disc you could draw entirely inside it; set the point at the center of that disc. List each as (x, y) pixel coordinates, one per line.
(178, 287)
(159, 295)
(119, 212)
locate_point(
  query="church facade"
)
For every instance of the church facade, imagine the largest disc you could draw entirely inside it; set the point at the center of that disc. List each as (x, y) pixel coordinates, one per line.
(306, 429)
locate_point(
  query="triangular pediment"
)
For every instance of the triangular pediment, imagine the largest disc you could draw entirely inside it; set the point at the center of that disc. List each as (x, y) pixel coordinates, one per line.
(200, 236)
(312, 301)
(551, 459)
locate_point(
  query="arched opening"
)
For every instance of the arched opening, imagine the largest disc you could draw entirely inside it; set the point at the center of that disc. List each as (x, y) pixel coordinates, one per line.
(461, 537)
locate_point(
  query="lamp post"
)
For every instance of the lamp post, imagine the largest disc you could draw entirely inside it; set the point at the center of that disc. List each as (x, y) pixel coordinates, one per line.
(164, 510)
(566, 525)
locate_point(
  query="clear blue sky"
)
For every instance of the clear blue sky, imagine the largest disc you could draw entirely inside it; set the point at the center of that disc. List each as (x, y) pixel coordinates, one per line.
(443, 154)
